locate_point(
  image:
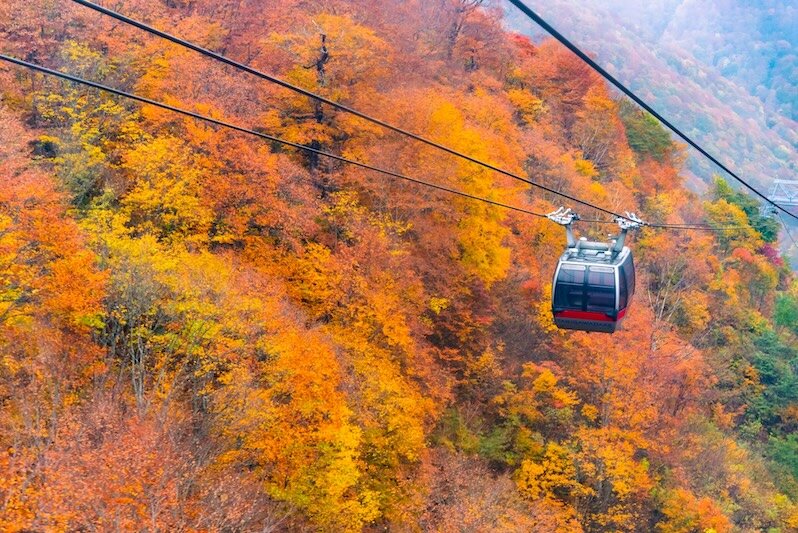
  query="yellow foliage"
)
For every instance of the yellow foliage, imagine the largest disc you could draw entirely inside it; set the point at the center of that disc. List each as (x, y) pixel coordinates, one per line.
(606, 458)
(528, 105)
(348, 219)
(165, 200)
(555, 477)
(693, 312)
(590, 412)
(722, 214)
(539, 398)
(481, 234)
(437, 305)
(315, 346)
(273, 386)
(586, 168)
(543, 314)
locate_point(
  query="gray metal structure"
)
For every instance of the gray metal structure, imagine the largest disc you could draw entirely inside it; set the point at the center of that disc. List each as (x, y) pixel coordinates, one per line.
(594, 281)
(784, 192)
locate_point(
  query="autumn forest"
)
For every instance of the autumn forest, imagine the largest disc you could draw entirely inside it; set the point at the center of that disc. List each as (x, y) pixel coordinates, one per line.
(203, 330)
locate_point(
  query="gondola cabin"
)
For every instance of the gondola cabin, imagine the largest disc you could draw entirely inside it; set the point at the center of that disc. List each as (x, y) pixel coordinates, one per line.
(593, 286)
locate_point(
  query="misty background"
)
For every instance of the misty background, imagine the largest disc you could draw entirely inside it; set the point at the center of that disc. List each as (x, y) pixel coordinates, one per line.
(725, 71)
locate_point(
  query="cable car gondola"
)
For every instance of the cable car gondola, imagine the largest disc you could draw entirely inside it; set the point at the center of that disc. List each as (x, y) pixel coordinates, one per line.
(594, 281)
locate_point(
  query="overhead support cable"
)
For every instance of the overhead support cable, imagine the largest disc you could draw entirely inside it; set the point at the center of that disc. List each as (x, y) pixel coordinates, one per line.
(342, 107)
(336, 157)
(337, 105)
(675, 227)
(639, 101)
(241, 129)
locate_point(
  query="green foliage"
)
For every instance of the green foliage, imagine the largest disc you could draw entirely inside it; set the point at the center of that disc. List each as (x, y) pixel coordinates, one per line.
(646, 136)
(454, 433)
(784, 451)
(766, 226)
(229, 330)
(775, 362)
(90, 126)
(786, 313)
(724, 214)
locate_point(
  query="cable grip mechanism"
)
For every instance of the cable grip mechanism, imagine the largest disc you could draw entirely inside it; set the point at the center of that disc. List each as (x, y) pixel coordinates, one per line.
(564, 217)
(630, 221)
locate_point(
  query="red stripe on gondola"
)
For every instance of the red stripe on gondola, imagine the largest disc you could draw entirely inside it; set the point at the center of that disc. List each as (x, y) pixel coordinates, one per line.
(587, 315)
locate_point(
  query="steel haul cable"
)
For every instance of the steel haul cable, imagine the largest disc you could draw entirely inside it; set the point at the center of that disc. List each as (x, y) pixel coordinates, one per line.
(144, 100)
(342, 107)
(218, 57)
(675, 227)
(639, 101)
(241, 129)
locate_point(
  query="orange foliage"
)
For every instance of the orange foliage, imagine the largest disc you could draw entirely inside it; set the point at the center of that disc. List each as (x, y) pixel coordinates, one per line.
(202, 331)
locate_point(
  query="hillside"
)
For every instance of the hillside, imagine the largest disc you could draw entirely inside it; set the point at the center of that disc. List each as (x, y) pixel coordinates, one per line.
(201, 330)
(724, 71)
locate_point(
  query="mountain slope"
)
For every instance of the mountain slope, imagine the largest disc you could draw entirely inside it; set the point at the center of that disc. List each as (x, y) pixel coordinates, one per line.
(204, 331)
(724, 72)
